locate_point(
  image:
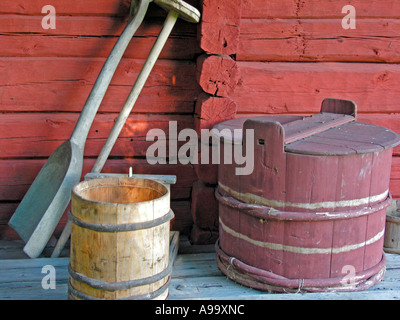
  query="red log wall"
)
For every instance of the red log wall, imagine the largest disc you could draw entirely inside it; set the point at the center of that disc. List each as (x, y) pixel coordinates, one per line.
(255, 57)
(46, 77)
(285, 57)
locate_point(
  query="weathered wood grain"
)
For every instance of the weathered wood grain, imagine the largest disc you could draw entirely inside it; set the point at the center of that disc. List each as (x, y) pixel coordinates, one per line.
(318, 9)
(17, 175)
(220, 26)
(76, 7)
(195, 276)
(44, 132)
(77, 36)
(63, 84)
(278, 87)
(373, 40)
(217, 74)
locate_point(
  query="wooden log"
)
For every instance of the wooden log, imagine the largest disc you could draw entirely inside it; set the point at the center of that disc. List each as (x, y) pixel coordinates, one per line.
(200, 236)
(85, 8)
(183, 219)
(17, 175)
(374, 40)
(63, 84)
(90, 37)
(220, 26)
(301, 87)
(102, 7)
(316, 9)
(204, 207)
(217, 75)
(96, 26)
(43, 133)
(212, 110)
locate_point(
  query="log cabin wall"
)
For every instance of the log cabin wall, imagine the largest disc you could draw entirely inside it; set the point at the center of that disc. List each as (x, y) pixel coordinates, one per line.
(285, 57)
(246, 57)
(46, 76)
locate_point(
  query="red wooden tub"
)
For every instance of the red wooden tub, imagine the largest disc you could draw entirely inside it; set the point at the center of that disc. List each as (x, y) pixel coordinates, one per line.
(311, 215)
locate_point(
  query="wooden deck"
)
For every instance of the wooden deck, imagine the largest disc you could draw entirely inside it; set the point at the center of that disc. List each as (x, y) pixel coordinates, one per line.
(195, 277)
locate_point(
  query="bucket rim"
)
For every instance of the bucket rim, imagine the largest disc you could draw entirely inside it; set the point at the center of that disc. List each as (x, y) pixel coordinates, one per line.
(166, 191)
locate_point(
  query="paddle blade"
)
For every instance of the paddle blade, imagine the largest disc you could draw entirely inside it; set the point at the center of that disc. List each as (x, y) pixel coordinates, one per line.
(46, 200)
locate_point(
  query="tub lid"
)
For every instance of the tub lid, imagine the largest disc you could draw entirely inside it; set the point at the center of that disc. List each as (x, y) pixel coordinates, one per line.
(324, 133)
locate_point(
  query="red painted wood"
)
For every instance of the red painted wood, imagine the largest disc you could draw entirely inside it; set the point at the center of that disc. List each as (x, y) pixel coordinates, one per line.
(44, 132)
(301, 87)
(204, 206)
(210, 111)
(217, 74)
(373, 40)
(199, 236)
(316, 213)
(220, 26)
(63, 84)
(90, 37)
(318, 9)
(85, 8)
(17, 175)
(91, 7)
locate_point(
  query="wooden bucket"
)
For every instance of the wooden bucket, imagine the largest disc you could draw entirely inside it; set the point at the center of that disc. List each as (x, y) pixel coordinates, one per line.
(392, 230)
(120, 239)
(311, 215)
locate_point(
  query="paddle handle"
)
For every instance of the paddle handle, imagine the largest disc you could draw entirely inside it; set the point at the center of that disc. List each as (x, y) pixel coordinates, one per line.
(137, 88)
(81, 130)
(126, 110)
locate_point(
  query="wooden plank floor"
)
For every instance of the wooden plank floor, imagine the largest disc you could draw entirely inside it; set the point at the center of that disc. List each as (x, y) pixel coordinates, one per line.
(195, 276)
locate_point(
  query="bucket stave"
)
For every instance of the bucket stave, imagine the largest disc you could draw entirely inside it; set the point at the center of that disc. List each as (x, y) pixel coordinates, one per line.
(120, 239)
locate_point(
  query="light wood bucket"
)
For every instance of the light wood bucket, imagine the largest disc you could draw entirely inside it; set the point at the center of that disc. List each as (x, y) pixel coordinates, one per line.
(120, 239)
(392, 229)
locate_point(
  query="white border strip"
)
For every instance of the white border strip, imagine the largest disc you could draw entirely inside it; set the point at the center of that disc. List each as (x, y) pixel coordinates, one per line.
(302, 250)
(311, 206)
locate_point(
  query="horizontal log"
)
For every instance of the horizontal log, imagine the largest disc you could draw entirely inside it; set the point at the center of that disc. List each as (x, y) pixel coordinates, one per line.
(90, 7)
(301, 87)
(63, 84)
(77, 7)
(90, 37)
(373, 40)
(69, 46)
(17, 175)
(81, 26)
(318, 9)
(29, 135)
